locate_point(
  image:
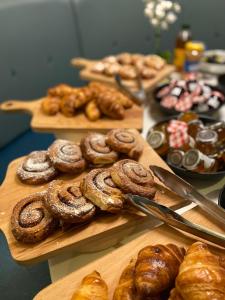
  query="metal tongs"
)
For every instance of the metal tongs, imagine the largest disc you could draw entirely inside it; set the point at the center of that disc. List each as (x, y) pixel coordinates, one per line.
(139, 96)
(173, 219)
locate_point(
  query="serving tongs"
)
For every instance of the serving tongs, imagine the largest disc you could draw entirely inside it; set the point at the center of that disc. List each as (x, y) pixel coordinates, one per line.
(188, 192)
(139, 96)
(171, 218)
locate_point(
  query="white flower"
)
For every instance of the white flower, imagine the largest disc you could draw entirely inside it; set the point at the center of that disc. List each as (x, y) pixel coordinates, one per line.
(154, 21)
(177, 7)
(171, 17)
(168, 4)
(164, 25)
(159, 11)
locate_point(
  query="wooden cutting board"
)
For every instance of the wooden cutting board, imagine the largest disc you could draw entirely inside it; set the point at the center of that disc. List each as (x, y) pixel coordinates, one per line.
(78, 123)
(86, 73)
(111, 265)
(12, 190)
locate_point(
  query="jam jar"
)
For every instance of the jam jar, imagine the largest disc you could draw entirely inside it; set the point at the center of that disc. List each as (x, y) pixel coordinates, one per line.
(196, 161)
(158, 141)
(206, 141)
(175, 157)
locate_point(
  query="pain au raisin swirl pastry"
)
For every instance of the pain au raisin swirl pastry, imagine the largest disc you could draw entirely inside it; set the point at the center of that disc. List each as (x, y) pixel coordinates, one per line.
(66, 156)
(99, 188)
(36, 168)
(125, 141)
(96, 151)
(133, 178)
(30, 221)
(66, 202)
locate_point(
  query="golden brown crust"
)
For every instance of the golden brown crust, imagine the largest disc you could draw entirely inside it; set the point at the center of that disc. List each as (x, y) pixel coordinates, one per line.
(109, 106)
(156, 268)
(50, 106)
(96, 151)
(66, 156)
(124, 58)
(154, 61)
(61, 90)
(66, 202)
(125, 289)
(36, 168)
(99, 188)
(125, 141)
(93, 287)
(30, 220)
(128, 72)
(67, 105)
(201, 275)
(92, 111)
(133, 178)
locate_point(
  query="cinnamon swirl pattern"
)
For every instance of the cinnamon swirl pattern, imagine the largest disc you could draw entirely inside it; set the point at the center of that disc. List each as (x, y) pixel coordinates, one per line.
(125, 141)
(133, 178)
(30, 221)
(99, 188)
(66, 156)
(96, 151)
(66, 202)
(36, 168)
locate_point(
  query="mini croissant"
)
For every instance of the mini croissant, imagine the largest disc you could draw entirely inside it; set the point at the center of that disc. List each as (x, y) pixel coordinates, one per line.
(156, 269)
(93, 287)
(201, 276)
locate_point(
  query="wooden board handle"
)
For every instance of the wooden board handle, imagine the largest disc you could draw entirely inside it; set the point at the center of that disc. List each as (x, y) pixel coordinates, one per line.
(81, 62)
(16, 105)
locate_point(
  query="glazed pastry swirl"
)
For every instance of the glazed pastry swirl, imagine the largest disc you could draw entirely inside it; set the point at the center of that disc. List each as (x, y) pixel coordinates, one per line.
(36, 168)
(30, 221)
(125, 141)
(96, 151)
(66, 202)
(133, 178)
(66, 156)
(99, 188)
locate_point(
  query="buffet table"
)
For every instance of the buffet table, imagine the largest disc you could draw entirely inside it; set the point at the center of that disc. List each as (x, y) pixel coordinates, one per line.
(68, 262)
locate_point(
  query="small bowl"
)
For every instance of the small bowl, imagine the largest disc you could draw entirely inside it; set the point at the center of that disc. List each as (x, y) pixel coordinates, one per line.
(221, 199)
(189, 174)
(213, 68)
(173, 112)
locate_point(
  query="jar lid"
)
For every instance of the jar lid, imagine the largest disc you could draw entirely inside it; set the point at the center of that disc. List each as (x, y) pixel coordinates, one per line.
(195, 45)
(156, 139)
(217, 125)
(207, 136)
(175, 157)
(191, 159)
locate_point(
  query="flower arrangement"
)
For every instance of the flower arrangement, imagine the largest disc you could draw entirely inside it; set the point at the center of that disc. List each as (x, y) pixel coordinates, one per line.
(161, 14)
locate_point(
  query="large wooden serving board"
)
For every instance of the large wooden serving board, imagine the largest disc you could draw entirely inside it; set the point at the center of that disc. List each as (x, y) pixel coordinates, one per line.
(12, 190)
(111, 265)
(86, 73)
(59, 122)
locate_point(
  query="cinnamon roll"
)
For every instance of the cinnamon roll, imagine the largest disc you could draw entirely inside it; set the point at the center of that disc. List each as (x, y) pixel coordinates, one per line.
(66, 156)
(99, 188)
(66, 202)
(96, 151)
(125, 141)
(36, 168)
(133, 178)
(30, 221)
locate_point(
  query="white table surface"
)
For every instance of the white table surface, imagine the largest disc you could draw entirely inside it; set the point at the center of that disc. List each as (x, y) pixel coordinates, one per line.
(68, 262)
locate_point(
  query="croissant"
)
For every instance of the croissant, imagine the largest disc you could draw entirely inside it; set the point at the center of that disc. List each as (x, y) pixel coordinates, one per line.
(109, 106)
(201, 276)
(61, 90)
(93, 287)
(156, 268)
(50, 106)
(92, 111)
(125, 288)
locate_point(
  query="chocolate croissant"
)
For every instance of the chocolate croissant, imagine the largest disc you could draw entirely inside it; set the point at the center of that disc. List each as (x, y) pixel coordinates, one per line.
(93, 287)
(156, 269)
(201, 276)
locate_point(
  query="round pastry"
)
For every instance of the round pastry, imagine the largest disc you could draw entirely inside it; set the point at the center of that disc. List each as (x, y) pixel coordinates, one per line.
(124, 58)
(133, 178)
(96, 151)
(30, 221)
(66, 156)
(50, 105)
(111, 69)
(125, 141)
(127, 72)
(36, 168)
(99, 188)
(66, 202)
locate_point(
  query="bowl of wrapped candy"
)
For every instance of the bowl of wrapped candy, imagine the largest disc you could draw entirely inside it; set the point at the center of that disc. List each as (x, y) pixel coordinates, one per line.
(179, 96)
(193, 145)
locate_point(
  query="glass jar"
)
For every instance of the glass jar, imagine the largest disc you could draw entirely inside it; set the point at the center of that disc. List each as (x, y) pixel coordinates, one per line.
(188, 116)
(158, 141)
(193, 51)
(195, 160)
(206, 141)
(175, 157)
(194, 127)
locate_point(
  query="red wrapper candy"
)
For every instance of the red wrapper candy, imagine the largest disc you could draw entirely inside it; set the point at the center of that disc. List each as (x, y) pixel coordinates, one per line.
(169, 101)
(198, 99)
(164, 91)
(219, 95)
(184, 103)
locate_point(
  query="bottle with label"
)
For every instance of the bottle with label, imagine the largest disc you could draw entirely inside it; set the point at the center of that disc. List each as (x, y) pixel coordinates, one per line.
(195, 160)
(179, 52)
(193, 53)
